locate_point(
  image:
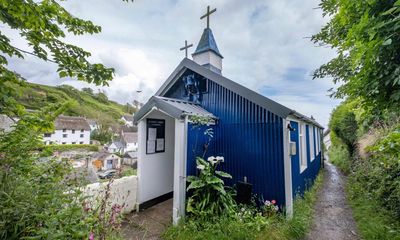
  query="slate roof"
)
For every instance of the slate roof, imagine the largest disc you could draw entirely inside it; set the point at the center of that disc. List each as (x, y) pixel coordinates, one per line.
(71, 123)
(103, 155)
(130, 137)
(252, 96)
(207, 43)
(175, 108)
(128, 117)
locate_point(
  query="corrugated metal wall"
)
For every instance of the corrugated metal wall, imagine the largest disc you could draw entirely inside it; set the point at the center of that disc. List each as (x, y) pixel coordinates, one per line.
(248, 136)
(301, 181)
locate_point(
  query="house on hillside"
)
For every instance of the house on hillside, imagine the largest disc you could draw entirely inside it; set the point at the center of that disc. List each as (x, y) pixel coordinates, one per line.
(127, 119)
(106, 161)
(277, 149)
(130, 141)
(69, 130)
(115, 147)
(93, 124)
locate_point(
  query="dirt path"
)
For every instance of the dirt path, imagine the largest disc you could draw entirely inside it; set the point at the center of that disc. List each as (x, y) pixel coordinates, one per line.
(333, 218)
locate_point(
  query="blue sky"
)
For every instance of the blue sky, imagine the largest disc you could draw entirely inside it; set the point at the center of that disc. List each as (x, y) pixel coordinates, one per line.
(265, 44)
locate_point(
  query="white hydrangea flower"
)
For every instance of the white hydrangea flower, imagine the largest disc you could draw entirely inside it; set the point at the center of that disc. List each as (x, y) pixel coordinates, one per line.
(201, 167)
(220, 159)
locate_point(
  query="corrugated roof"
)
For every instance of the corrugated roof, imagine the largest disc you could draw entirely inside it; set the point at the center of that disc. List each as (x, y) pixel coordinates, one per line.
(251, 95)
(71, 123)
(207, 43)
(176, 108)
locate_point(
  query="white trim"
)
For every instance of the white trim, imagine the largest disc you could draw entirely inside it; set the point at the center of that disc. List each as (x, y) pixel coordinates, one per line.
(179, 200)
(302, 138)
(311, 130)
(287, 162)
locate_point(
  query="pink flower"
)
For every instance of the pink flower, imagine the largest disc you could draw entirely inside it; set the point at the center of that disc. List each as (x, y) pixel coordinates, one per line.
(91, 236)
(273, 202)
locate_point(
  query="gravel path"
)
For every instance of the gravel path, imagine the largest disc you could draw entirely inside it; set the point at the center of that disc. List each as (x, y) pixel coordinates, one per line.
(333, 218)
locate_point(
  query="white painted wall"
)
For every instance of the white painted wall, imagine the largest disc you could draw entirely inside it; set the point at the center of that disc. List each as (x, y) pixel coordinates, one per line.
(123, 191)
(208, 57)
(155, 171)
(131, 147)
(57, 137)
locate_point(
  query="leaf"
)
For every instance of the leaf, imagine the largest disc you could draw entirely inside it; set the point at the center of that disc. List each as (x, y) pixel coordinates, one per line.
(387, 42)
(223, 174)
(390, 11)
(195, 185)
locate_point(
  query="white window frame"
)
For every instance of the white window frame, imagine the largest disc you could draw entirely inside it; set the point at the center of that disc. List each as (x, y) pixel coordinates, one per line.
(318, 146)
(312, 149)
(302, 147)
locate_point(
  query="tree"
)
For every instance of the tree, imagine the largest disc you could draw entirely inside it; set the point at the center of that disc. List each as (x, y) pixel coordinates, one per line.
(366, 37)
(88, 91)
(43, 24)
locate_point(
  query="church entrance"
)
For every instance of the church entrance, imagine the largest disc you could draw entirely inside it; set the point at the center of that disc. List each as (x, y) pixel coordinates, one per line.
(162, 161)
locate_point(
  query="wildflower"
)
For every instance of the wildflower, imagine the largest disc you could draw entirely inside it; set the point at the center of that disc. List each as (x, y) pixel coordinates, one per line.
(220, 159)
(91, 236)
(267, 203)
(273, 202)
(201, 167)
(276, 208)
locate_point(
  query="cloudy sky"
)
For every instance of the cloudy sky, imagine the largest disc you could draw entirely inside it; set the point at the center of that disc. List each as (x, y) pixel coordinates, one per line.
(265, 44)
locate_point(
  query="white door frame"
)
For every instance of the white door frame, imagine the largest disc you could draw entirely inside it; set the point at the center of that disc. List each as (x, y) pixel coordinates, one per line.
(287, 162)
(180, 155)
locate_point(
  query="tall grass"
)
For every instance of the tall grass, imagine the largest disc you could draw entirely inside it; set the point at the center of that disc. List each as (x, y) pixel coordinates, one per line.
(340, 157)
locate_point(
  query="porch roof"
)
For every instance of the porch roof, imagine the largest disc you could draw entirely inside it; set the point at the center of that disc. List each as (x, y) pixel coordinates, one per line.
(175, 108)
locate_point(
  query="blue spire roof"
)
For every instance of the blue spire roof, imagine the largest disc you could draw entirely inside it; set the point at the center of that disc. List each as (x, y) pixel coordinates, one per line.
(207, 43)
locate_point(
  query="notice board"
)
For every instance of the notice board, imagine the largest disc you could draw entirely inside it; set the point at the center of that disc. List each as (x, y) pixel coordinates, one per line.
(155, 136)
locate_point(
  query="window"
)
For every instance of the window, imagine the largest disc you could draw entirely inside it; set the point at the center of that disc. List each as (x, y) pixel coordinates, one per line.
(80, 142)
(64, 143)
(81, 135)
(312, 142)
(64, 130)
(65, 135)
(73, 142)
(73, 130)
(82, 130)
(302, 147)
(47, 135)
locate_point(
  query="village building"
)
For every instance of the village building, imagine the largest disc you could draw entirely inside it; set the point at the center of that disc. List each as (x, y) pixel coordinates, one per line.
(69, 130)
(106, 161)
(127, 120)
(115, 147)
(272, 147)
(93, 124)
(130, 142)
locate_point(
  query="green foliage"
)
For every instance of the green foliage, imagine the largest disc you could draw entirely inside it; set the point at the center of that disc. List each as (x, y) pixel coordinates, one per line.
(209, 196)
(50, 149)
(128, 172)
(343, 124)
(365, 35)
(340, 157)
(102, 134)
(373, 221)
(246, 222)
(381, 172)
(36, 96)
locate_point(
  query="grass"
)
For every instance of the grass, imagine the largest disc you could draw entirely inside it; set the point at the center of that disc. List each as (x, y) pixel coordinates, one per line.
(373, 221)
(276, 227)
(340, 157)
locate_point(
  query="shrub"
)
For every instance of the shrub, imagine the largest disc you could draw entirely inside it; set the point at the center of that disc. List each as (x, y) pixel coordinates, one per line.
(209, 197)
(340, 156)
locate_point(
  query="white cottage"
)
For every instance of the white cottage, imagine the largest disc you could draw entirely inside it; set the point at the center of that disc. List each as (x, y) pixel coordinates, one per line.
(69, 130)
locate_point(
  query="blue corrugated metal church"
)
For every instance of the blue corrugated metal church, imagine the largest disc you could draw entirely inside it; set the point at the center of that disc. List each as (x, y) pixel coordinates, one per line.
(277, 149)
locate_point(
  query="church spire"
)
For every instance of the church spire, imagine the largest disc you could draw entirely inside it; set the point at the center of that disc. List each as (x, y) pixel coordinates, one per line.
(207, 53)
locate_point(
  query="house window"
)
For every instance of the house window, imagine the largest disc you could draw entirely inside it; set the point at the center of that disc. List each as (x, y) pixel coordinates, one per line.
(64, 130)
(47, 135)
(64, 143)
(80, 142)
(312, 142)
(73, 130)
(73, 142)
(302, 147)
(65, 135)
(82, 130)
(81, 136)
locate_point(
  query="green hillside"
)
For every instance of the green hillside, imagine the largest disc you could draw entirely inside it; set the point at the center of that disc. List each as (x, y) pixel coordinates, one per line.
(87, 103)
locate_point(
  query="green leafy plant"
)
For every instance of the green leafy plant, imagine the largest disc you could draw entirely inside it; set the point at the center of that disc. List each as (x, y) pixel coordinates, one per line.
(209, 196)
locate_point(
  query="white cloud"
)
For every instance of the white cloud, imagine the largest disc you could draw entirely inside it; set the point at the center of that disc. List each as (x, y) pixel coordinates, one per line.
(263, 43)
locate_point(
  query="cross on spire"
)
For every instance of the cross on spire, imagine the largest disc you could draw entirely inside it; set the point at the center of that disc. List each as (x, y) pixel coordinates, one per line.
(186, 47)
(207, 15)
